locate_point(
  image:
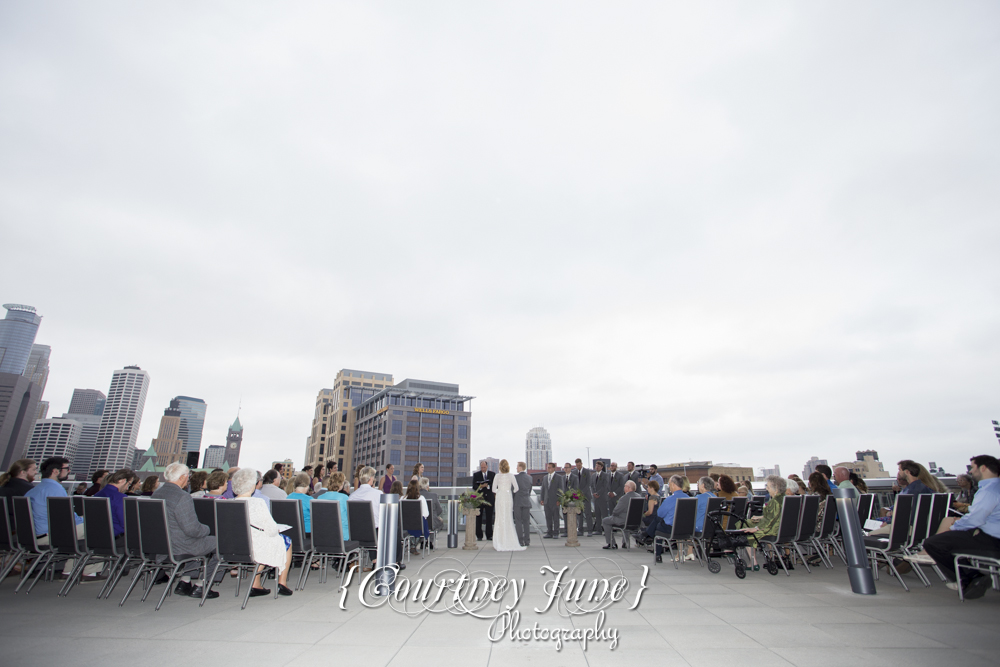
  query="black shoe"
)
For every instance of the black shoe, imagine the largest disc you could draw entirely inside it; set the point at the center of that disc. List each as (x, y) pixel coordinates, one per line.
(607, 546)
(197, 591)
(284, 590)
(256, 592)
(162, 579)
(183, 588)
(976, 588)
(659, 559)
(402, 566)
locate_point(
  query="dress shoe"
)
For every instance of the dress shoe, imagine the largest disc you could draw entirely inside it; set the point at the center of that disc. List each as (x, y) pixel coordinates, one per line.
(183, 588)
(659, 559)
(284, 590)
(162, 579)
(976, 588)
(197, 591)
(258, 592)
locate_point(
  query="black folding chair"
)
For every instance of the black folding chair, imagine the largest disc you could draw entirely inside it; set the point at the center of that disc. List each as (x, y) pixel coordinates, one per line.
(682, 529)
(886, 549)
(133, 549)
(99, 539)
(234, 546)
(289, 512)
(865, 501)
(633, 521)
(24, 524)
(826, 537)
(788, 528)
(359, 513)
(807, 528)
(920, 520)
(204, 508)
(411, 518)
(704, 536)
(328, 539)
(9, 550)
(78, 505)
(63, 541)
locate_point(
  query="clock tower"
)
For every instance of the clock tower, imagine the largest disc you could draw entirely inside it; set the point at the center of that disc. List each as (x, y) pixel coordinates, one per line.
(234, 441)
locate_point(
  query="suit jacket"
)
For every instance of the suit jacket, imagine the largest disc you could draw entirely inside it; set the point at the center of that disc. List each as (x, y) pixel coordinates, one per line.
(620, 513)
(187, 534)
(550, 492)
(601, 484)
(437, 511)
(584, 481)
(479, 478)
(618, 483)
(522, 497)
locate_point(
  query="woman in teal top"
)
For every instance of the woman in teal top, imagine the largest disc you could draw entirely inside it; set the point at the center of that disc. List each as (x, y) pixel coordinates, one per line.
(301, 493)
(335, 483)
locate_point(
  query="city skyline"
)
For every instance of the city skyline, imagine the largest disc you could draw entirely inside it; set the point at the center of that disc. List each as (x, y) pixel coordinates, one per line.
(669, 233)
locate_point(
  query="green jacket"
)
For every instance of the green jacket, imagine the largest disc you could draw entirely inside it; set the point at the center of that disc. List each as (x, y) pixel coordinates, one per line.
(771, 517)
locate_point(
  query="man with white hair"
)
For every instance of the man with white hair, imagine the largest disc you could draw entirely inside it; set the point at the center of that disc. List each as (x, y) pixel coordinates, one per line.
(366, 491)
(187, 534)
(619, 514)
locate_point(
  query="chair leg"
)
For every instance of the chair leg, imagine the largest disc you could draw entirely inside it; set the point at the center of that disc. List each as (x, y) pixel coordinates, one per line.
(74, 575)
(169, 587)
(798, 550)
(26, 574)
(135, 580)
(207, 584)
(246, 598)
(41, 570)
(15, 558)
(895, 572)
(306, 566)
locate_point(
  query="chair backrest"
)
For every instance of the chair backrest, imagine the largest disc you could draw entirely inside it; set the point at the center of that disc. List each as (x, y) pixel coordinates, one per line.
(633, 518)
(939, 510)
(685, 514)
(78, 505)
(62, 525)
(829, 518)
(900, 521)
(409, 512)
(791, 511)
(738, 506)
(865, 507)
(205, 509)
(327, 533)
(232, 525)
(920, 519)
(289, 512)
(808, 518)
(359, 513)
(99, 529)
(133, 547)
(708, 528)
(154, 536)
(24, 524)
(6, 537)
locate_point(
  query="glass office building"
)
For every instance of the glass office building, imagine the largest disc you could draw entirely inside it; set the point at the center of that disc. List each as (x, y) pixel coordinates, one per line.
(17, 335)
(193, 412)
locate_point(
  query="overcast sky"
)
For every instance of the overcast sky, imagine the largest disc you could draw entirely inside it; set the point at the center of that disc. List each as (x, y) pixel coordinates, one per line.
(750, 233)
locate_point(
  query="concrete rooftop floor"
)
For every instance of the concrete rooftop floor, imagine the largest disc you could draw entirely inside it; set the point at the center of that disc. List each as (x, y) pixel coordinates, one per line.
(687, 616)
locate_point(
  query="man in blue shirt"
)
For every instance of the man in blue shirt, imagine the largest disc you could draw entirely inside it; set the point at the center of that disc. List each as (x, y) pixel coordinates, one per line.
(977, 533)
(665, 514)
(654, 476)
(911, 471)
(114, 491)
(55, 470)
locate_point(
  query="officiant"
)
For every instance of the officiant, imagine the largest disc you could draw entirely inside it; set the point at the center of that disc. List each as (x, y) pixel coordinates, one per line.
(482, 482)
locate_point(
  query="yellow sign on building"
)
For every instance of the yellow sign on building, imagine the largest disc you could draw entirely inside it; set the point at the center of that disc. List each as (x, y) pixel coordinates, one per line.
(433, 412)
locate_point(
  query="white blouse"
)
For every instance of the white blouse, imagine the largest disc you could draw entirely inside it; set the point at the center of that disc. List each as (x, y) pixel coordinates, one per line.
(268, 545)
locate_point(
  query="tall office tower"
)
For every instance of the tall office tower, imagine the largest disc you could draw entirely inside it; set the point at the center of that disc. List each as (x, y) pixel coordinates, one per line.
(492, 464)
(37, 368)
(120, 422)
(537, 449)
(234, 443)
(17, 335)
(167, 444)
(89, 426)
(53, 437)
(193, 412)
(215, 456)
(810, 466)
(42, 411)
(767, 472)
(87, 402)
(414, 422)
(332, 435)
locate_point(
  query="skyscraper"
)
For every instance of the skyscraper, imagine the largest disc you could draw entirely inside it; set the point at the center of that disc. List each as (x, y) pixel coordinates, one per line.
(17, 335)
(87, 402)
(53, 437)
(89, 427)
(193, 412)
(234, 443)
(215, 456)
(122, 415)
(537, 448)
(168, 446)
(37, 368)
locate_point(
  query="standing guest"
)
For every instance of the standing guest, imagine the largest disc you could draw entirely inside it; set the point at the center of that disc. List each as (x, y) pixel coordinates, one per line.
(482, 483)
(522, 505)
(654, 476)
(632, 474)
(652, 501)
(418, 471)
(114, 491)
(197, 484)
(270, 547)
(272, 485)
(97, 481)
(16, 482)
(583, 479)
(300, 492)
(437, 510)
(55, 470)
(334, 485)
(619, 514)
(600, 486)
(567, 477)
(216, 485)
(187, 534)
(387, 479)
(552, 485)
(618, 479)
(726, 487)
(413, 493)
(150, 484)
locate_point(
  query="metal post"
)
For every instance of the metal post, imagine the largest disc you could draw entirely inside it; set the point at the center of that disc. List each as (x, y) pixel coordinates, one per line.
(862, 581)
(388, 534)
(453, 515)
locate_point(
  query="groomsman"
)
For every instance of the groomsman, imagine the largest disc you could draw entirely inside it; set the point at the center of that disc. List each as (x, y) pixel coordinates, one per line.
(552, 484)
(601, 488)
(522, 505)
(631, 474)
(618, 480)
(567, 478)
(482, 482)
(582, 478)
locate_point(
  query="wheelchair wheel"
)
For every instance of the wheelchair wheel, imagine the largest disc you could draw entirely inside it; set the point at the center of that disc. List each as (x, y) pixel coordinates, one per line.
(772, 567)
(741, 570)
(714, 567)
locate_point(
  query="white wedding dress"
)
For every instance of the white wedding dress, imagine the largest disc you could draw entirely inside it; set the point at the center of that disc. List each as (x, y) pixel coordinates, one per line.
(504, 534)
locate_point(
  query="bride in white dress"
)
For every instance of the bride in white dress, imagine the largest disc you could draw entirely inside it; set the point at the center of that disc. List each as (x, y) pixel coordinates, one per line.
(504, 534)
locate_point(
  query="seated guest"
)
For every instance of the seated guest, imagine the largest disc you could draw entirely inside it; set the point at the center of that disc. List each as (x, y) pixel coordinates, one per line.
(257, 493)
(300, 492)
(114, 491)
(767, 523)
(357, 482)
(726, 487)
(916, 481)
(652, 500)
(967, 492)
(81, 489)
(187, 534)
(270, 547)
(819, 487)
(685, 485)
(366, 490)
(16, 482)
(197, 484)
(665, 515)
(150, 484)
(97, 480)
(216, 485)
(791, 488)
(396, 488)
(842, 478)
(976, 533)
(413, 493)
(54, 471)
(858, 483)
(334, 483)
(228, 494)
(272, 485)
(706, 490)
(619, 514)
(135, 486)
(437, 511)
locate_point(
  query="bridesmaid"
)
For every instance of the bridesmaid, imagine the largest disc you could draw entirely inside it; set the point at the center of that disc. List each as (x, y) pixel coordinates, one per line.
(387, 479)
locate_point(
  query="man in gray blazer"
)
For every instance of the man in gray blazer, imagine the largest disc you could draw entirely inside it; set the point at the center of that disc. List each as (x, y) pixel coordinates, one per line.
(618, 480)
(601, 486)
(583, 480)
(619, 514)
(522, 505)
(187, 534)
(632, 474)
(552, 484)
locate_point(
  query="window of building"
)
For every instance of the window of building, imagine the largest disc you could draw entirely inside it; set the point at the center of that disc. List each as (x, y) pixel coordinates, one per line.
(463, 460)
(463, 419)
(343, 437)
(324, 429)
(462, 445)
(463, 432)
(397, 428)
(397, 442)
(394, 458)
(397, 412)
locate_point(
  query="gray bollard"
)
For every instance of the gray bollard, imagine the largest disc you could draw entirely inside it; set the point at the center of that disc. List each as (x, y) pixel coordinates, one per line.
(453, 524)
(388, 534)
(862, 581)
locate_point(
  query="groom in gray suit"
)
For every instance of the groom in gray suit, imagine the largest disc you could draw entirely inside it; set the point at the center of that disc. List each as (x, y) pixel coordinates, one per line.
(552, 484)
(522, 505)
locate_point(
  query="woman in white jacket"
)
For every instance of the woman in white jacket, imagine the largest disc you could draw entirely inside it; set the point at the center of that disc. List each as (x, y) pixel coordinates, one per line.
(269, 546)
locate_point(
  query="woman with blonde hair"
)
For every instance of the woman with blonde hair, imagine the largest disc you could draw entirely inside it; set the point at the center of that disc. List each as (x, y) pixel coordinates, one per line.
(300, 492)
(334, 484)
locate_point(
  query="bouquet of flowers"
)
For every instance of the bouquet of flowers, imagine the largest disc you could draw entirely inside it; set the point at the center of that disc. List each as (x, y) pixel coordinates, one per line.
(571, 498)
(471, 500)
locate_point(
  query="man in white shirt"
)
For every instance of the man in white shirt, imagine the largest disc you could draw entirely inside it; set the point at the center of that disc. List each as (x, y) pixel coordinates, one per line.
(271, 487)
(366, 491)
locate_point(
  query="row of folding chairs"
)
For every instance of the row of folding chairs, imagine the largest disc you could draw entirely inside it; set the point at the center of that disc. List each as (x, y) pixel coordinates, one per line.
(914, 519)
